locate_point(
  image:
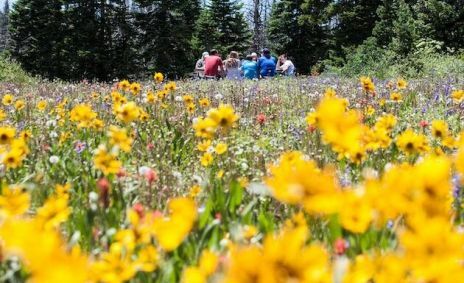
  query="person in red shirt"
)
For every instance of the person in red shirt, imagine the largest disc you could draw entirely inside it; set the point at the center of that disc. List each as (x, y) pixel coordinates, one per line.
(213, 64)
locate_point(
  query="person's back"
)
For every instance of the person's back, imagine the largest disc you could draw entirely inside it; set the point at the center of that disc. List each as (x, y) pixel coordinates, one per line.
(250, 69)
(212, 65)
(267, 64)
(289, 68)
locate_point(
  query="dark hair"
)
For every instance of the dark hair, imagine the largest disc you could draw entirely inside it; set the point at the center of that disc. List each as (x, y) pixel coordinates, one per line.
(213, 52)
(249, 57)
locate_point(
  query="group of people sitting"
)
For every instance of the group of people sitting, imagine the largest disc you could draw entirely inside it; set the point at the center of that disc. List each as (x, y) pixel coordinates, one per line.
(211, 66)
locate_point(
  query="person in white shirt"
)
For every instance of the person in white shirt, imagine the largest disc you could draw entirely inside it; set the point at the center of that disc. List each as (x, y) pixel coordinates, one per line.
(285, 66)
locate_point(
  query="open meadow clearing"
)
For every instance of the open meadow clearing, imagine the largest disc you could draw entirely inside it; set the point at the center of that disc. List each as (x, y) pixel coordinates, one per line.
(315, 179)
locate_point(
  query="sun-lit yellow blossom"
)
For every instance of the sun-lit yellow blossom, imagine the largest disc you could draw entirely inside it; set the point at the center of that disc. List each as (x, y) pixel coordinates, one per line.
(19, 104)
(458, 96)
(295, 180)
(204, 128)
(439, 129)
(191, 108)
(386, 121)
(355, 213)
(224, 116)
(330, 92)
(118, 137)
(204, 145)
(396, 96)
(206, 159)
(14, 201)
(13, 158)
(43, 253)
(188, 99)
(124, 85)
(128, 112)
(170, 86)
(194, 191)
(311, 119)
(42, 105)
(7, 99)
(410, 142)
(158, 77)
(54, 212)
(204, 102)
(172, 229)
(106, 162)
(220, 148)
(151, 97)
(401, 84)
(7, 135)
(114, 266)
(135, 88)
(367, 84)
(83, 115)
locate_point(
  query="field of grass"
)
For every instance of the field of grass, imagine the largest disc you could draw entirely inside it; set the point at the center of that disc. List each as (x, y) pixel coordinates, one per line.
(315, 179)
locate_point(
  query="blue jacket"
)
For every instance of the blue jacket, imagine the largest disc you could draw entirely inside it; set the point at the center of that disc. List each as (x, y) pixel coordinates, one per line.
(267, 66)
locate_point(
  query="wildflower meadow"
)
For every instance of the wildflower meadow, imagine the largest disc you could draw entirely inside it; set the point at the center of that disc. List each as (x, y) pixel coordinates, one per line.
(310, 179)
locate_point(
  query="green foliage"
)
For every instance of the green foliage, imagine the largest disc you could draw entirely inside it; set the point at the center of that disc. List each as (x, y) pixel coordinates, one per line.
(12, 72)
(222, 26)
(299, 29)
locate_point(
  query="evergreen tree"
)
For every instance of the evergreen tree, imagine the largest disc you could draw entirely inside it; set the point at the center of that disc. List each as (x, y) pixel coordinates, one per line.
(445, 20)
(353, 22)
(165, 33)
(37, 36)
(4, 23)
(300, 28)
(222, 26)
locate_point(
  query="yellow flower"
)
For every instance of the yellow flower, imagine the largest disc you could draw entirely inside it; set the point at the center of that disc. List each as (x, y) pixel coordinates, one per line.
(7, 135)
(204, 128)
(191, 108)
(311, 119)
(355, 214)
(224, 116)
(295, 180)
(42, 105)
(7, 99)
(458, 96)
(330, 92)
(170, 231)
(13, 159)
(151, 98)
(171, 86)
(188, 99)
(194, 191)
(25, 135)
(83, 115)
(439, 129)
(401, 84)
(128, 112)
(124, 85)
(193, 274)
(19, 104)
(220, 174)
(410, 142)
(396, 96)
(206, 159)
(249, 231)
(204, 102)
(114, 266)
(118, 137)
(14, 201)
(367, 84)
(204, 145)
(54, 212)
(135, 88)
(158, 77)
(370, 110)
(220, 148)
(2, 115)
(106, 162)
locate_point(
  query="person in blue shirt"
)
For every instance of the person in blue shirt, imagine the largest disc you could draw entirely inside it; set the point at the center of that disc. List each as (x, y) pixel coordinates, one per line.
(249, 68)
(267, 64)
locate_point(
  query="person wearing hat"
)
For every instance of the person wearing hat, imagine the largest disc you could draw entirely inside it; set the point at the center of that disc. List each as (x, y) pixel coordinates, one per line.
(200, 65)
(267, 64)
